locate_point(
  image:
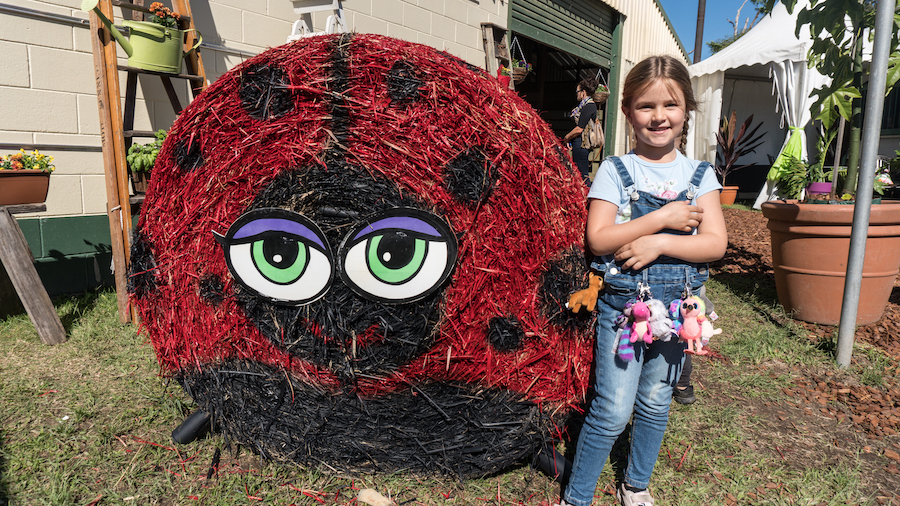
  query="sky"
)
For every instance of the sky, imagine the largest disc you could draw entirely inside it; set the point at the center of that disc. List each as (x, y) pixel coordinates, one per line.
(683, 15)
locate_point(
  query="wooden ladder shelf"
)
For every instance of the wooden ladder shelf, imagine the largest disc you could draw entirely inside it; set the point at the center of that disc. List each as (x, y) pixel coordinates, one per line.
(117, 124)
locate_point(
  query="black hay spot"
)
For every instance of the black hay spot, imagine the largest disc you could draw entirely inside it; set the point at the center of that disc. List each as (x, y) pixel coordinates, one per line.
(564, 160)
(142, 267)
(264, 92)
(188, 155)
(338, 83)
(505, 334)
(212, 290)
(470, 177)
(403, 83)
(564, 276)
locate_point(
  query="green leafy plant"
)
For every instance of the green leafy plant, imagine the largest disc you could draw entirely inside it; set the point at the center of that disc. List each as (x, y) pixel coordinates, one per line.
(27, 161)
(141, 157)
(836, 51)
(731, 146)
(164, 16)
(795, 178)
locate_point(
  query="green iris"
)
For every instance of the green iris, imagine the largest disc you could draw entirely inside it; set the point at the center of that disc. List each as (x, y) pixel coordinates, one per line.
(395, 257)
(281, 261)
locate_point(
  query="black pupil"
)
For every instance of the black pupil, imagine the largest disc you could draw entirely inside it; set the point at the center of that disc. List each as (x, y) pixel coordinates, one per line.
(396, 249)
(280, 251)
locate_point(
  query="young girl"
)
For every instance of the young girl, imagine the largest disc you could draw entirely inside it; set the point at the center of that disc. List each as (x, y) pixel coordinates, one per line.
(654, 222)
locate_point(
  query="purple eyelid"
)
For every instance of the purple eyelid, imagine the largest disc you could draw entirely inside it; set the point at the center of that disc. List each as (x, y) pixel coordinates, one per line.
(399, 222)
(263, 225)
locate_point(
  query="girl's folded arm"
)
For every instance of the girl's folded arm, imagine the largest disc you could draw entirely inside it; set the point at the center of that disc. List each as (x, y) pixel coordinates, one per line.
(604, 236)
(711, 239)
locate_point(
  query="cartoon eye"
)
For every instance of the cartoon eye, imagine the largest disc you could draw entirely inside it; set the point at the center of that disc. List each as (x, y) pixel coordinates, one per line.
(278, 254)
(399, 255)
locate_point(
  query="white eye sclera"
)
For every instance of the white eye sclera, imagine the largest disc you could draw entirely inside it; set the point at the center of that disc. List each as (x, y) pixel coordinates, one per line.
(279, 254)
(400, 255)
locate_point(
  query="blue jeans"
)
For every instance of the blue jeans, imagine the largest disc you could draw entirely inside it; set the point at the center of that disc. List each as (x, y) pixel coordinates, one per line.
(642, 387)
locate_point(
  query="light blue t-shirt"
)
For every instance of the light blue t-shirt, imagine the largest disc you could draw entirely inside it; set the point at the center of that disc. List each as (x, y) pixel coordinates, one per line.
(665, 180)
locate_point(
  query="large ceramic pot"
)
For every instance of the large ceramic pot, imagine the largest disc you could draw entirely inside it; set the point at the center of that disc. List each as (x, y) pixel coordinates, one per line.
(810, 248)
(23, 187)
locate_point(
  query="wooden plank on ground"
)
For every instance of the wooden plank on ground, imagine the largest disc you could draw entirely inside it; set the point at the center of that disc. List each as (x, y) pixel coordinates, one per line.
(16, 258)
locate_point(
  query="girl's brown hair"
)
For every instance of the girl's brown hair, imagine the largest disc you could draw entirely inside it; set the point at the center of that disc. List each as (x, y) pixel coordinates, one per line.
(652, 69)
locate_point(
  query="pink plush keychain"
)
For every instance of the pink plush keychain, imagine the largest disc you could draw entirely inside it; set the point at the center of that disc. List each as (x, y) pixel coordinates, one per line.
(691, 330)
(640, 322)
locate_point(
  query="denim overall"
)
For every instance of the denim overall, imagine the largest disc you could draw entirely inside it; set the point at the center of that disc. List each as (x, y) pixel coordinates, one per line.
(645, 384)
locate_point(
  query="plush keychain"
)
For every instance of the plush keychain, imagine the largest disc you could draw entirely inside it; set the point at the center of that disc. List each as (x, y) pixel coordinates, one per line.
(639, 321)
(643, 319)
(624, 348)
(586, 298)
(660, 323)
(709, 315)
(690, 330)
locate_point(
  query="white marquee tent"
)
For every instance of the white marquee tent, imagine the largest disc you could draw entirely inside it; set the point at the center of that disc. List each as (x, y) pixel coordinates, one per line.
(768, 60)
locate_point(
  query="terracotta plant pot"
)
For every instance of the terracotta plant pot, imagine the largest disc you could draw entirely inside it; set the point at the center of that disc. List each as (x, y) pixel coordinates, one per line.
(810, 248)
(23, 187)
(728, 195)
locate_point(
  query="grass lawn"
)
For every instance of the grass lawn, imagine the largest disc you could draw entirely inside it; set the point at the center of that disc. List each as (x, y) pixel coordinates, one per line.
(89, 422)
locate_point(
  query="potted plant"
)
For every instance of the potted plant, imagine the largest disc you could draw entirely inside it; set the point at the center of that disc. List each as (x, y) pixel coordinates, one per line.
(601, 94)
(140, 159)
(730, 147)
(517, 69)
(811, 285)
(25, 177)
(156, 45)
(800, 180)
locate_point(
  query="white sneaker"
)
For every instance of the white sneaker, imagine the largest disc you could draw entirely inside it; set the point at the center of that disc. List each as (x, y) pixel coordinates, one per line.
(629, 498)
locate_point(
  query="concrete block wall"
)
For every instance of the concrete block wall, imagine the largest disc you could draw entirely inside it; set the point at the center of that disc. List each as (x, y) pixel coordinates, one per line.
(48, 95)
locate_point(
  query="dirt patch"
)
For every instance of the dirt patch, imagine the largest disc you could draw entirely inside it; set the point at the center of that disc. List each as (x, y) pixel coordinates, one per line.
(829, 415)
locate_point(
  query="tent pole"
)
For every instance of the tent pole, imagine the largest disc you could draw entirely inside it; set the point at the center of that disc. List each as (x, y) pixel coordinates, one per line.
(884, 19)
(698, 38)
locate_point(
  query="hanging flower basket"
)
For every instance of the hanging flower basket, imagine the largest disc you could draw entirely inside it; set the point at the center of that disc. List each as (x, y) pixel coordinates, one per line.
(519, 74)
(600, 95)
(518, 67)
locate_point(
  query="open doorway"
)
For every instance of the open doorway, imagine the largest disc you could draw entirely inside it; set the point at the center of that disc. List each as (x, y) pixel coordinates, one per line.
(550, 87)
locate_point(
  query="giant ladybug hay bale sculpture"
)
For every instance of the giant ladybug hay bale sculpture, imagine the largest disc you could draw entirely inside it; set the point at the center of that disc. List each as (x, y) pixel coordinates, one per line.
(357, 251)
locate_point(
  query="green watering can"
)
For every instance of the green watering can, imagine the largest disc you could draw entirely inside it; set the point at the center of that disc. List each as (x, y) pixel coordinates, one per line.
(151, 47)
